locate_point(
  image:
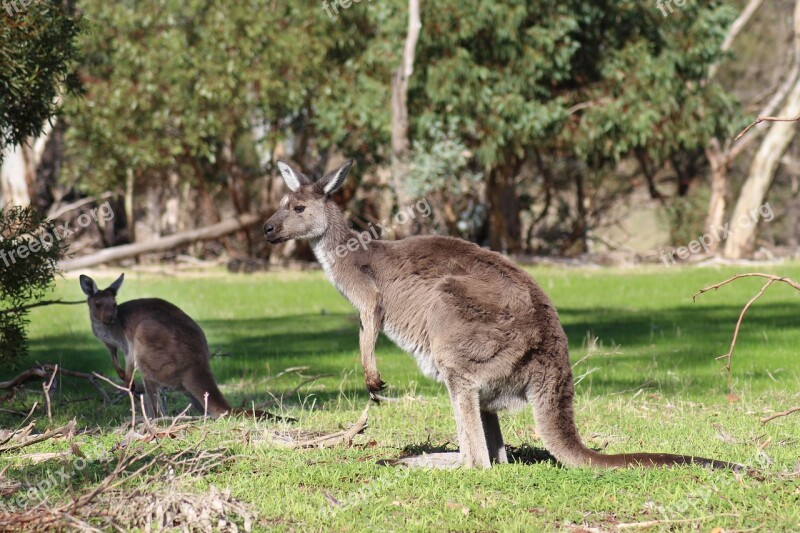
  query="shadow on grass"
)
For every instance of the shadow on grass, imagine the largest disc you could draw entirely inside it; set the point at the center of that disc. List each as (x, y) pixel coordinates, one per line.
(524, 454)
(681, 340)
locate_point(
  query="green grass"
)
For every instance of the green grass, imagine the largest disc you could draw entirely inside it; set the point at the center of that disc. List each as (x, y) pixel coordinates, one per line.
(662, 391)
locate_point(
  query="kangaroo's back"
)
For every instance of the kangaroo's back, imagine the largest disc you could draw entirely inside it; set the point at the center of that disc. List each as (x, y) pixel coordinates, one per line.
(158, 320)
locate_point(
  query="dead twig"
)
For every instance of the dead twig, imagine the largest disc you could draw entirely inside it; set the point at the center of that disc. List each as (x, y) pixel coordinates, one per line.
(309, 380)
(46, 390)
(47, 371)
(129, 391)
(770, 280)
(23, 441)
(779, 415)
(339, 437)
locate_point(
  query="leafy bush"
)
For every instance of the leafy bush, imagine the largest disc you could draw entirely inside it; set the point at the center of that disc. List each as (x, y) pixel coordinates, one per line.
(38, 54)
(30, 245)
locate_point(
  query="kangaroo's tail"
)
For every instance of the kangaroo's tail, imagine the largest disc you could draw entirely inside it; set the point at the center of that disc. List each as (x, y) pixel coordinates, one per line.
(552, 399)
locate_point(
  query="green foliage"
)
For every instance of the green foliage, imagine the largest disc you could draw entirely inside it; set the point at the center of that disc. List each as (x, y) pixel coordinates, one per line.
(37, 56)
(441, 172)
(510, 74)
(525, 87)
(170, 84)
(29, 249)
(685, 218)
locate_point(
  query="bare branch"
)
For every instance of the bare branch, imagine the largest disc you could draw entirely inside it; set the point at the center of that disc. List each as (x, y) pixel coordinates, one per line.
(770, 280)
(759, 120)
(40, 304)
(736, 28)
(778, 415)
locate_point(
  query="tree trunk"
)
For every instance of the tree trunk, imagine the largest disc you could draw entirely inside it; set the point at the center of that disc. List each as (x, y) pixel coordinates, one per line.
(719, 192)
(504, 222)
(720, 158)
(129, 216)
(400, 143)
(764, 165)
(18, 172)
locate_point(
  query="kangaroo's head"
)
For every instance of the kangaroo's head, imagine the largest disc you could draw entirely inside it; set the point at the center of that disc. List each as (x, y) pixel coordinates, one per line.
(302, 213)
(102, 304)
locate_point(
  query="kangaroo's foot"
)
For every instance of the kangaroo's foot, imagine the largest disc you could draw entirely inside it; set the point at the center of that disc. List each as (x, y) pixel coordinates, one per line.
(438, 460)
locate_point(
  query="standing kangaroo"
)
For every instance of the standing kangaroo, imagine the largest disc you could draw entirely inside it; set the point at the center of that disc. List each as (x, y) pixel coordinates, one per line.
(163, 342)
(472, 319)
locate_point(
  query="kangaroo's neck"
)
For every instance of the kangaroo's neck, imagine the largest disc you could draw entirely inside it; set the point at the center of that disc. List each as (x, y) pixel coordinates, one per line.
(339, 251)
(113, 334)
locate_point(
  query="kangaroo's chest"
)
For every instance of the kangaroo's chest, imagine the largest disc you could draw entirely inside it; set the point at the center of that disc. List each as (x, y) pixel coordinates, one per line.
(415, 343)
(109, 338)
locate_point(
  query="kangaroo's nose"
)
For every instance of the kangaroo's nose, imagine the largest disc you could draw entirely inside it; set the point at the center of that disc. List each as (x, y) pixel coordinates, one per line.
(268, 228)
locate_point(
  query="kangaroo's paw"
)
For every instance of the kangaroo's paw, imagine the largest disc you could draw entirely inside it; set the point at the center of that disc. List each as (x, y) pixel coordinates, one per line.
(374, 386)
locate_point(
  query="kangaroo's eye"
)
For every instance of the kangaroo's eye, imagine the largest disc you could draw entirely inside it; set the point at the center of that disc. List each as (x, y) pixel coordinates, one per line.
(299, 208)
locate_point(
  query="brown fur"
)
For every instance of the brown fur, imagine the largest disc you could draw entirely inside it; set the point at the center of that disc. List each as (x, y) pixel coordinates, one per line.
(159, 339)
(472, 319)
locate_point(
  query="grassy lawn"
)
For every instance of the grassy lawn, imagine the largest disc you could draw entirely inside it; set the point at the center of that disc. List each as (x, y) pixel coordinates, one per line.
(660, 389)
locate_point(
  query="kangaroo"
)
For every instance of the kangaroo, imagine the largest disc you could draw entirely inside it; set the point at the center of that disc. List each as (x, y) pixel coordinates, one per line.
(471, 318)
(159, 339)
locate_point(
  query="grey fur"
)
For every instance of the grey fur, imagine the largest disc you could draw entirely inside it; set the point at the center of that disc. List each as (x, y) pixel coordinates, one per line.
(472, 319)
(159, 339)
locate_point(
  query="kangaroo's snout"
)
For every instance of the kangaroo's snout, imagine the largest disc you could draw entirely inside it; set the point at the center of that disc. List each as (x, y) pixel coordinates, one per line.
(272, 231)
(109, 316)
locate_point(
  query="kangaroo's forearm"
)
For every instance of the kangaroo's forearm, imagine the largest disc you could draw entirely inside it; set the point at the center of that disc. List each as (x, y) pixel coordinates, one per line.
(371, 323)
(115, 361)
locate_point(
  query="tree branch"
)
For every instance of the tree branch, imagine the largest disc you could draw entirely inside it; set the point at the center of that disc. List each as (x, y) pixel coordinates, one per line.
(729, 356)
(40, 304)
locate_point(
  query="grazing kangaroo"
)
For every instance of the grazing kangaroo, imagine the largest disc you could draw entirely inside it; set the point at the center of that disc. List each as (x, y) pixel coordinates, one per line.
(472, 319)
(163, 342)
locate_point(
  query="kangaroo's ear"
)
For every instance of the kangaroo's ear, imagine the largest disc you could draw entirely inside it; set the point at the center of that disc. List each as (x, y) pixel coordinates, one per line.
(293, 178)
(331, 182)
(88, 285)
(114, 287)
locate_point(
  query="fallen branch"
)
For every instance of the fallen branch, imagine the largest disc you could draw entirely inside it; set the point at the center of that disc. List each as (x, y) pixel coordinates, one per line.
(46, 371)
(64, 431)
(779, 415)
(340, 437)
(127, 251)
(324, 441)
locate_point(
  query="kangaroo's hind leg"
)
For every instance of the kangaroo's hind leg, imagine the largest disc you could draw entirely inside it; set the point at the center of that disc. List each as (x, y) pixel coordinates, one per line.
(472, 443)
(153, 406)
(202, 389)
(494, 437)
